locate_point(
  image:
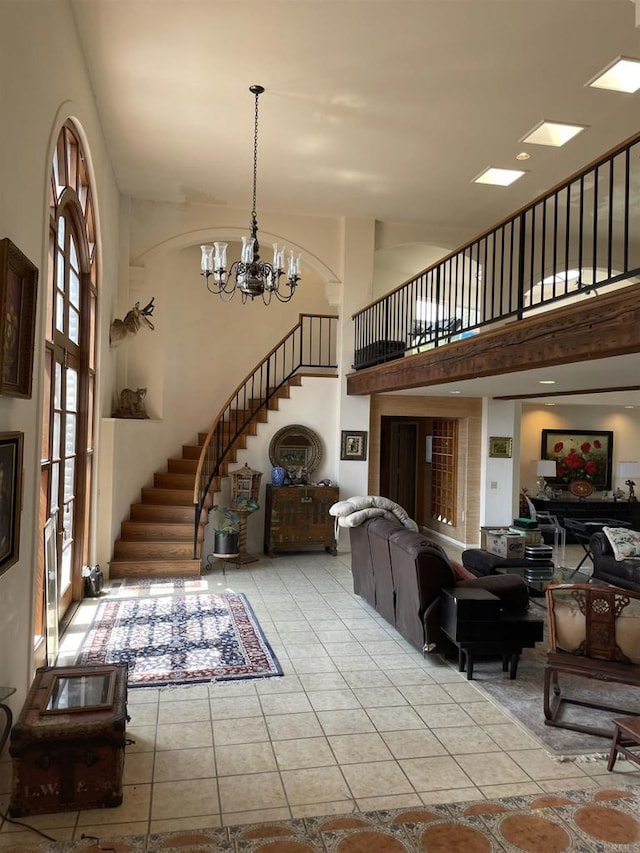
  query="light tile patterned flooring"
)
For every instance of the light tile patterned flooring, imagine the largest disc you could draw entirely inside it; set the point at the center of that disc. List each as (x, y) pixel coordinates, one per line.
(359, 721)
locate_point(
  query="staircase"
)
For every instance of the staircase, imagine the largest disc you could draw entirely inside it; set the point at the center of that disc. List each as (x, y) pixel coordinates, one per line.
(164, 533)
(158, 538)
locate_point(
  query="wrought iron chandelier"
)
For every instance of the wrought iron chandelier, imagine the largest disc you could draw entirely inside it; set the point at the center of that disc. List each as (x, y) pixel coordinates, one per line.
(251, 276)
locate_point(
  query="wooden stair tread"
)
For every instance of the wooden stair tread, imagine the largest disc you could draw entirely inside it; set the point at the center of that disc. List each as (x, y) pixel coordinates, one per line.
(128, 549)
(154, 568)
(163, 531)
(164, 512)
(170, 497)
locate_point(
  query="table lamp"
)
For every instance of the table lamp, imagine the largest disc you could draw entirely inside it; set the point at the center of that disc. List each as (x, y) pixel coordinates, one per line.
(544, 468)
(629, 470)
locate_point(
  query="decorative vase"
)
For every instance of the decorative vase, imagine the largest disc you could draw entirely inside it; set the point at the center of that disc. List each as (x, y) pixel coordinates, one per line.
(278, 476)
(225, 542)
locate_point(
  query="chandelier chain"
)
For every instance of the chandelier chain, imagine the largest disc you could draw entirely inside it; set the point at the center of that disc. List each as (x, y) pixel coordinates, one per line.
(255, 159)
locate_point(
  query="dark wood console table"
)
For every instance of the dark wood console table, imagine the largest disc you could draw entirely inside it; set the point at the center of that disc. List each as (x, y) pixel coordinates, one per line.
(297, 518)
(589, 508)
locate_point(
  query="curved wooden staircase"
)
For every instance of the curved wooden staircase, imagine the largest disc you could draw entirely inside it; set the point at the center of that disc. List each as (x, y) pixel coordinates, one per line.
(160, 538)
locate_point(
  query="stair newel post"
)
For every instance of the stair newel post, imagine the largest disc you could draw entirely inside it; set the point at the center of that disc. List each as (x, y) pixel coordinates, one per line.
(197, 511)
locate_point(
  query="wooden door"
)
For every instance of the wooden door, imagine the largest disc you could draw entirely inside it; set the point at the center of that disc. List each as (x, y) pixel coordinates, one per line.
(403, 470)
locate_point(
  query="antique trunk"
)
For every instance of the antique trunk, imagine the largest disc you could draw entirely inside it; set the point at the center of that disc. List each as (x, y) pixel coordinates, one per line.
(67, 746)
(297, 518)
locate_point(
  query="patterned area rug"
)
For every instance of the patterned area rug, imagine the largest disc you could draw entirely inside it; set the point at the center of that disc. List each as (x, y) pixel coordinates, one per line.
(181, 639)
(592, 820)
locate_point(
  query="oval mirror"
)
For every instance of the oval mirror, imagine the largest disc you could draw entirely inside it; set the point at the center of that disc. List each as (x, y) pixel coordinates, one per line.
(294, 447)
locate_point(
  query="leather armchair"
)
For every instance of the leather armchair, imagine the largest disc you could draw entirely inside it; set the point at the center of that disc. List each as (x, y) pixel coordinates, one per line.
(622, 573)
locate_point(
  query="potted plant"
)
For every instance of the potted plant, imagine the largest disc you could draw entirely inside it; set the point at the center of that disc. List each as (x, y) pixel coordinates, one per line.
(226, 533)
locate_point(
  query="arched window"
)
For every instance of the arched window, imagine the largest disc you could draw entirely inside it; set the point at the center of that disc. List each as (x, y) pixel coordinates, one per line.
(67, 457)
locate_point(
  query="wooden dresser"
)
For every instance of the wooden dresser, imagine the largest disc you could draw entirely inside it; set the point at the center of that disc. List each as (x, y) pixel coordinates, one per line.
(297, 518)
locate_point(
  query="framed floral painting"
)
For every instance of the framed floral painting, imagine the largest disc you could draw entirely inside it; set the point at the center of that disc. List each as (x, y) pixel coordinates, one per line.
(580, 455)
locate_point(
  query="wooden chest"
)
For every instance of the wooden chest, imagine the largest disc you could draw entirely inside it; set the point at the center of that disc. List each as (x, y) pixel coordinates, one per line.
(67, 746)
(297, 518)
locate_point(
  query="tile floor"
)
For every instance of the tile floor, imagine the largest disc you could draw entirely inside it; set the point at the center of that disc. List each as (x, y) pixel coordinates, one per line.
(359, 721)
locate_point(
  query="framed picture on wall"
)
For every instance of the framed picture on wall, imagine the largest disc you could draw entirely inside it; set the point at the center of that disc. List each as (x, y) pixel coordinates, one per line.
(500, 446)
(18, 289)
(580, 455)
(353, 446)
(10, 497)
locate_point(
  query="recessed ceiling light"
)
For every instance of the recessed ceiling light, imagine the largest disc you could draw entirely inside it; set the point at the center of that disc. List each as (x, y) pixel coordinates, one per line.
(629, 407)
(552, 133)
(622, 75)
(523, 156)
(499, 177)
(455, 392)
(549, 404)
(546, 381)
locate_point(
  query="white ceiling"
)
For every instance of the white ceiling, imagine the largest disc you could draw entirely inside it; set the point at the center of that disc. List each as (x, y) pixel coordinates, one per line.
(569, 379)
(384, 109)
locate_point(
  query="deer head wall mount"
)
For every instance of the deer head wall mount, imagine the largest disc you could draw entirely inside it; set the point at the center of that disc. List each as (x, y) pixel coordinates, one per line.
(134, 319)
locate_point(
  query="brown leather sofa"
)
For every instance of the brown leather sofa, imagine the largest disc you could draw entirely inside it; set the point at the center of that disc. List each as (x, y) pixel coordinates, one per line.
(401, 573)
(621, 573)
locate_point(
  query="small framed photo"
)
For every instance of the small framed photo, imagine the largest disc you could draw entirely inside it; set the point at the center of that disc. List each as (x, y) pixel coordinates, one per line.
(10, 497)
(18, 289)
(500, 446)
(353, 446)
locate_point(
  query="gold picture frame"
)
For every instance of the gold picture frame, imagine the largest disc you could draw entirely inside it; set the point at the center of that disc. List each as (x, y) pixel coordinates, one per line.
(500, 446)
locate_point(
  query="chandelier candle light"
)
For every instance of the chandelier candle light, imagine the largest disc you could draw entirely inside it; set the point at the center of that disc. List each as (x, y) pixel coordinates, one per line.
(251, 276)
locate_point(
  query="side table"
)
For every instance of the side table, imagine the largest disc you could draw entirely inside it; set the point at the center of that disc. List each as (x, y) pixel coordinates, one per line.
(5, 692)
(474, 622)
(224, 558)
(627, 734)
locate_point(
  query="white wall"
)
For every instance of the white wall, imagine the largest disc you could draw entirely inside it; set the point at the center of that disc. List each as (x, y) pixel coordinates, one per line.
(499, 477)
(44, 82)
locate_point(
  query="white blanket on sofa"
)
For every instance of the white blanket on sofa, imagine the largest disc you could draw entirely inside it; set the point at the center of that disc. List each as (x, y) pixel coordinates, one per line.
(353, 511)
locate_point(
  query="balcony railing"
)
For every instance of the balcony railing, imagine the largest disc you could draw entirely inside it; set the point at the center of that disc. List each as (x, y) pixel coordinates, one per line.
(575, 240)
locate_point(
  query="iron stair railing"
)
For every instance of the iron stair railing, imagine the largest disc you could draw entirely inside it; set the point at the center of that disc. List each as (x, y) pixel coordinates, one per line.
(311, 343)
(569, 242)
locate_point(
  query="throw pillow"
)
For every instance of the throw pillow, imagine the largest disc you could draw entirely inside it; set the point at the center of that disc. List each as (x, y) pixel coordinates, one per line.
(624, 542)
(461, 572)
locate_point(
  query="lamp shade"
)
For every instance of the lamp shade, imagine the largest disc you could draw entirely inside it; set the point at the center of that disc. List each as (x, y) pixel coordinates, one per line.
(628, 469)
(546, 468)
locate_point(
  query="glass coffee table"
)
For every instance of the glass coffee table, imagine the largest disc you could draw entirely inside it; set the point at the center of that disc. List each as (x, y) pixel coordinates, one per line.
(537, 586)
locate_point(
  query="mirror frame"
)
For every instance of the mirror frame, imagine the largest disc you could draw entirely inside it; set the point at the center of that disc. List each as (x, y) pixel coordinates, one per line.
(311, 439)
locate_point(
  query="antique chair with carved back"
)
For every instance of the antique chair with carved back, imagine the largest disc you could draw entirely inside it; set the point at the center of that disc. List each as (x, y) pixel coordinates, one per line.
(594, 632)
